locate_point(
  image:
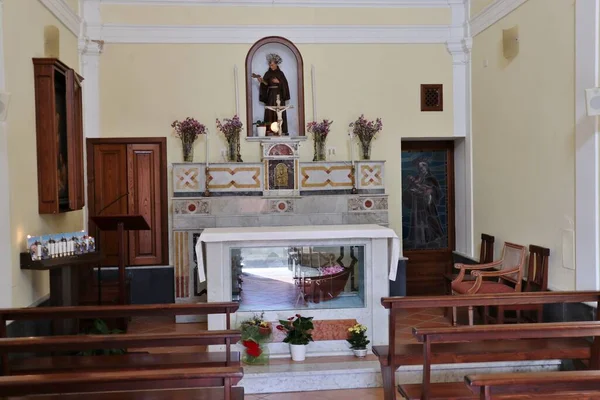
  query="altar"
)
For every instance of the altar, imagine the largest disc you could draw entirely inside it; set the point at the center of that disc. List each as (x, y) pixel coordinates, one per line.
(331, 272)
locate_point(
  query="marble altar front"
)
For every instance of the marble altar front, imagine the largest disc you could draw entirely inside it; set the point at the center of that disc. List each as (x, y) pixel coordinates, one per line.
(379, 250)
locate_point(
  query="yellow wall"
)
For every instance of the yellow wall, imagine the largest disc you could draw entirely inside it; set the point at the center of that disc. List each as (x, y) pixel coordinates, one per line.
(145, 87)
(24, 23)
(74, 4)
(169, 15)
(523, 134)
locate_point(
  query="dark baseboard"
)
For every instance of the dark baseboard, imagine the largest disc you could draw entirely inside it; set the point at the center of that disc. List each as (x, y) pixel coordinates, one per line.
(148, 285)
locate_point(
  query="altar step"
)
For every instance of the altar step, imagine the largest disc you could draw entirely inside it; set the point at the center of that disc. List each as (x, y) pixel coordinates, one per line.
(348, 372)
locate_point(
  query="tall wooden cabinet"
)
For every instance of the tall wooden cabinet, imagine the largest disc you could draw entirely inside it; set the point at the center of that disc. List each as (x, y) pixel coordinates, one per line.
(59, 134)
(128, 176)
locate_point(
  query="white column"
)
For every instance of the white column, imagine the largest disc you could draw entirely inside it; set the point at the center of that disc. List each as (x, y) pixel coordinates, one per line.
(6, 267)
(459, 47)
(587, 237)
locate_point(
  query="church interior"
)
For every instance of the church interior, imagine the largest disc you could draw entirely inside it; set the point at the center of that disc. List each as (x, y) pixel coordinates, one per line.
(273, 199)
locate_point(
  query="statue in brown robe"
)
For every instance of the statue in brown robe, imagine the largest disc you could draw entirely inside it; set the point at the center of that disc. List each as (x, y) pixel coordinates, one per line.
(274, 83)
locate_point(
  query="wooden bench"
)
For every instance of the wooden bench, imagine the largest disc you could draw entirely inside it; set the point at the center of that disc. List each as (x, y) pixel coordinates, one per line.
(536, 385)
(519, 342)
(125, 361)
(170, 384)
(397, 354)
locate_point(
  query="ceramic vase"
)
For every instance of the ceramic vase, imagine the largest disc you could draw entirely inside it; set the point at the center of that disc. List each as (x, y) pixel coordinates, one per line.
(360, 352)
(298, 352)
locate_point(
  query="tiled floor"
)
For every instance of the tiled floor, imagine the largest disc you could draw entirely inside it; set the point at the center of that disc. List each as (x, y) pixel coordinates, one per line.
(409, 319)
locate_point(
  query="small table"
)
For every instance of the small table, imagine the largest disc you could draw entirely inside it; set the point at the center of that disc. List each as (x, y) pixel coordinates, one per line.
(64, 282)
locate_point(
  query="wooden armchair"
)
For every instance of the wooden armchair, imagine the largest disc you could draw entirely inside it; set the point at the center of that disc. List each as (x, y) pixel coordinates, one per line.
(536, 281)
(508, 270)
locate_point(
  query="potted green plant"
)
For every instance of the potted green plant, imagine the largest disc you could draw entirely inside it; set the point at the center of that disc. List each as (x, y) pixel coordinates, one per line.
(358, 340)
(261, 128)
(101, 328)
(255, 333)
(298, 334)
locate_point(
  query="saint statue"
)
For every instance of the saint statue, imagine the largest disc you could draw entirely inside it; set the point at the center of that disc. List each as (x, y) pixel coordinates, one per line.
(273, 84)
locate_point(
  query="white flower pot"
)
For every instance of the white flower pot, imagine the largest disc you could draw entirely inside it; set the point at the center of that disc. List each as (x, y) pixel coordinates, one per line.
(261, 130)
(360, 352)
(298, 352)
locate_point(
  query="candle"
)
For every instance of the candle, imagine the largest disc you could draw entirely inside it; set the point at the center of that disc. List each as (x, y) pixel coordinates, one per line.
(314, 93)
(237, 90)
(206, 148)
(351, 133)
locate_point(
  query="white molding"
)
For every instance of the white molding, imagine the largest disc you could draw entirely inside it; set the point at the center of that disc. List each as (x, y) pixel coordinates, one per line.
(65, 14)
(492, 14)
(292, 3)
(587, 154)
(6, 267)
(302, 34)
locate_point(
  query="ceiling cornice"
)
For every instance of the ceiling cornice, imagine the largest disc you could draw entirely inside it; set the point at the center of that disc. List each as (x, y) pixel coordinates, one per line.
(293, 3)
(492, 14)
(64, 13)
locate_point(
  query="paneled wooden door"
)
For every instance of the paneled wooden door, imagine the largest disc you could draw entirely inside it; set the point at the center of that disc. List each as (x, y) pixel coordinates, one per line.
(129, 176)
(428, 226)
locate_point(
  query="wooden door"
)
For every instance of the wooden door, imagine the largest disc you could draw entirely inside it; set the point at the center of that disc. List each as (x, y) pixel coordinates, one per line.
(143, 174)
(132, 174)
(107, 184)
(427, 214)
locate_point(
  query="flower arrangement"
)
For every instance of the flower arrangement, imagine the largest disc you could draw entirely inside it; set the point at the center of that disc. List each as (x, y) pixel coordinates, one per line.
(255, 332)
(366, 130)
(357, 337)
(320, 130)
(298, 329)
(331, 270)
(188, 131)
(231, 128)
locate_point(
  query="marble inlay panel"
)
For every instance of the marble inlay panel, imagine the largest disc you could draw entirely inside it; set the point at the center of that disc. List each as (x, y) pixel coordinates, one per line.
(319, 176)
(188, 178)
(370, 175)
(367, 203)
(281, 206)
(191, 206)
(244, 177)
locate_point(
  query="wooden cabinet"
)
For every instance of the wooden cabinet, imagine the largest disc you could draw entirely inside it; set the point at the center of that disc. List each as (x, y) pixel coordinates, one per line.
(128, 176)
(59, 136)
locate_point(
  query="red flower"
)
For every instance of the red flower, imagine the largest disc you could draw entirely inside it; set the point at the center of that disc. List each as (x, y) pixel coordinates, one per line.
(254, 351)
(280, 327)
(298, 315)
(290, 318)
(250, 344)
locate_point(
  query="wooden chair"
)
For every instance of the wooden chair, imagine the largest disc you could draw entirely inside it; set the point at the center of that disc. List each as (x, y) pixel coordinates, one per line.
(508, 270)
(486, 251)
(536, 281)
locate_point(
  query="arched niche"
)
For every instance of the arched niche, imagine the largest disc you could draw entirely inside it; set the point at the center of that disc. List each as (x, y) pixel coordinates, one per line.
(51, 42)
(293, 68)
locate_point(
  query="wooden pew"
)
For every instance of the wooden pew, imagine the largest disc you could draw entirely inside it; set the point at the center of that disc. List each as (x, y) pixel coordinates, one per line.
(536, 385)
(39, 364)
(549, 341)
(128, 385)
(397, 354)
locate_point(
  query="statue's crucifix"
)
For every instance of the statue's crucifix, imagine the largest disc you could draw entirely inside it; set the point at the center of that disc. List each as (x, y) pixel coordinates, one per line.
(279, 109)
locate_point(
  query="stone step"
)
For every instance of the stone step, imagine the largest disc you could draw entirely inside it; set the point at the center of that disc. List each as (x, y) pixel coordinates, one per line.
(348, 372)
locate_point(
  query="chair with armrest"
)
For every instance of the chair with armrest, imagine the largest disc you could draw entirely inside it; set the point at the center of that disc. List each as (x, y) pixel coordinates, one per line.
(508, 270)
(535, 281)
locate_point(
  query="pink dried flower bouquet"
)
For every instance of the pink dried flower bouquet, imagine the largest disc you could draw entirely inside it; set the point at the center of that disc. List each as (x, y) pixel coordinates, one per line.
(320, 130)
(366, 130)
(188, 131)
(230, 127)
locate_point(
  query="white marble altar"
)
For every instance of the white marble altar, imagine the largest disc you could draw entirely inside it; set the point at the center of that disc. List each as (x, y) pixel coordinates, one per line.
(381, 258)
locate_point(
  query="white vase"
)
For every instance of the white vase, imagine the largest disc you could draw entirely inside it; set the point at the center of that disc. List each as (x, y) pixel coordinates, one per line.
(360, 352)
(298, 352)
(261, 130)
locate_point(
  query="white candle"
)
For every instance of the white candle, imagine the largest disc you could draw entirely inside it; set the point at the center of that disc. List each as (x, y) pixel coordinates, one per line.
(351, 133)
(206, 147)
(314, 92)
(237, 90)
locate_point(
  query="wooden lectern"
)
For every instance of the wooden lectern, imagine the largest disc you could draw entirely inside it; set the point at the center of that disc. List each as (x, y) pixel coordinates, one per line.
(121, 223)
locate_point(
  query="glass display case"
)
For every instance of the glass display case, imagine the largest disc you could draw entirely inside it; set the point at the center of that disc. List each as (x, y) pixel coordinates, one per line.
(296, 278)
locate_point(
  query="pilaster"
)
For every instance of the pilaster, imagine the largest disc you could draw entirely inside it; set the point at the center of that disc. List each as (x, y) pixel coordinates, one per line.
(6, 267)
(587, 198)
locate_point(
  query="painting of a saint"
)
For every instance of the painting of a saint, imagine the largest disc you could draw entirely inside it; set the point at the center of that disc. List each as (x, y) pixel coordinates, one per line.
(274, 83)
(424, 204)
